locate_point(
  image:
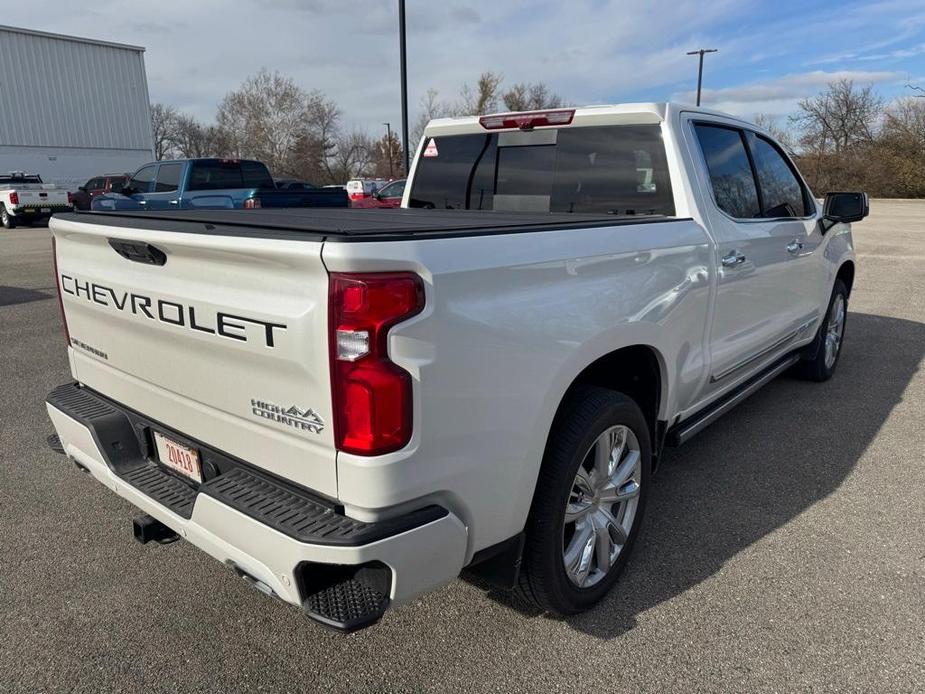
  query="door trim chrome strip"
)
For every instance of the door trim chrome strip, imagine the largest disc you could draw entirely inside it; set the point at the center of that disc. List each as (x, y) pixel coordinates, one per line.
(789, 337)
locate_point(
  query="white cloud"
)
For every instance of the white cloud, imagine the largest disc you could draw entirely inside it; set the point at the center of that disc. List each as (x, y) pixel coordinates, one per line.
(779, 96)
(589, 51)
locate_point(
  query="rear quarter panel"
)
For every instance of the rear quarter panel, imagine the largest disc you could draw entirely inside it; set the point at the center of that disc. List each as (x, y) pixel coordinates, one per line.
(510, 321)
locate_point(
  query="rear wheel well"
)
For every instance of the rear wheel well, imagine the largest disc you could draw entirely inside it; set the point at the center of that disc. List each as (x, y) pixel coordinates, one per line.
(846, 274)
(633, 371)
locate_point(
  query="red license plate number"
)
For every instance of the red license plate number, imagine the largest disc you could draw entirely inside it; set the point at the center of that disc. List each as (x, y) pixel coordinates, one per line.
(177, 457)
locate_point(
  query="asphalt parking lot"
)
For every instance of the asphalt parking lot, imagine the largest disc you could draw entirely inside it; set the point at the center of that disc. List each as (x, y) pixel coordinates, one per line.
(783, 549)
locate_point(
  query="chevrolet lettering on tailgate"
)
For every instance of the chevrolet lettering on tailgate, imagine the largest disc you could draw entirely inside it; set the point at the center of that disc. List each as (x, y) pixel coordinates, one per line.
(185, 316)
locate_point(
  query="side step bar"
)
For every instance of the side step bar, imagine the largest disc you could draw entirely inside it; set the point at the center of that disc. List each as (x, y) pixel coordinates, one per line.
(700, 421)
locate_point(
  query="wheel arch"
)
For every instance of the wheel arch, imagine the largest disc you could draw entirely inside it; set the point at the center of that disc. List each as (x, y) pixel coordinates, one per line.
(846, 274)
(637, 371)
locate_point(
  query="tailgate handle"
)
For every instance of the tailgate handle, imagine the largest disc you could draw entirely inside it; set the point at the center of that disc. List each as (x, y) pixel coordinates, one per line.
(139, 252)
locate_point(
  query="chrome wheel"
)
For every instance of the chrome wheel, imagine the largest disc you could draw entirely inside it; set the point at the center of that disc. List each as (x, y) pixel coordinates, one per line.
(601, 506)
(834, 331)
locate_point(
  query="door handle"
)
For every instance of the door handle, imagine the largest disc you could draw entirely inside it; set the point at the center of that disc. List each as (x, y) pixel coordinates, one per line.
(733, 258)
(794, 246)
(174, 202)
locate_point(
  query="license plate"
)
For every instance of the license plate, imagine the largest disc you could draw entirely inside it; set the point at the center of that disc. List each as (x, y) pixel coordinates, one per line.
(178, 457)
(46, 209)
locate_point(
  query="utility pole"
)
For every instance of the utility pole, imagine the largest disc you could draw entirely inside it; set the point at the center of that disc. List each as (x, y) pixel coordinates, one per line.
(388, 136)
(404, 83)
(700, 52)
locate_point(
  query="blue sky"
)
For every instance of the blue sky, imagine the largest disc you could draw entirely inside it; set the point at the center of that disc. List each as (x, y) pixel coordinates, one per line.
(771, 54)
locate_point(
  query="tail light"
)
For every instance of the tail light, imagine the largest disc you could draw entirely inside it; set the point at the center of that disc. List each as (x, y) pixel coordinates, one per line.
(252, 204)
(371, 394)
(70, 198)
(14, 198)
(527, 120)
(54, 259)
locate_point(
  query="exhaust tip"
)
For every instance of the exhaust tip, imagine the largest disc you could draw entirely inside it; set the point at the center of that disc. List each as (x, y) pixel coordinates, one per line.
(147, 529)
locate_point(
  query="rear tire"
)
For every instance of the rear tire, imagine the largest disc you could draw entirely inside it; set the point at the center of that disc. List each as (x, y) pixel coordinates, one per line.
(589, 501)
(824, 351)
(6, 219)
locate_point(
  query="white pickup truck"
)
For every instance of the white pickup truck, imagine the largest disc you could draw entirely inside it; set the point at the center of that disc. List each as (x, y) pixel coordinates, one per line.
(350, 407)
(24, 199)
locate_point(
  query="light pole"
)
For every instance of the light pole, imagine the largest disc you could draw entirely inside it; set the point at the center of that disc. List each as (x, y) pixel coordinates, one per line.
(388, 137)
(404, 83)
(700, 52)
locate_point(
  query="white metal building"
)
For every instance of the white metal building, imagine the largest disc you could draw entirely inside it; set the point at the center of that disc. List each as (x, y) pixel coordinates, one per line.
(71, 108)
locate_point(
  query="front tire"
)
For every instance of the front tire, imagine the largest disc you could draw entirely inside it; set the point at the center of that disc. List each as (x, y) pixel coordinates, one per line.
(825, 349)
(589, 501)
(6, 219)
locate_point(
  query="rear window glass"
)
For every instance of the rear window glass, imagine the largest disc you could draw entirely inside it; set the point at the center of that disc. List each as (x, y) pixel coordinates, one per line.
(614, 169)
(730, 171)
(21, 179)
(219, 174)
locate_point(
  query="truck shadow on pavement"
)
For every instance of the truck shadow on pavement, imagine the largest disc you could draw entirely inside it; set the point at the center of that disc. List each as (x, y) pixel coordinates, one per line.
(10, 296)
(786, 448)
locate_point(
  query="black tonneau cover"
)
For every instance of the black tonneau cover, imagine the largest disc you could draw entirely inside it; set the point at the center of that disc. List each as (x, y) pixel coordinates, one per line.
(352, 225)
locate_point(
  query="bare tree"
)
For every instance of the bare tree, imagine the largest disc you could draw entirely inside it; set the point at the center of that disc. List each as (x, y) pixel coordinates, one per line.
(905, 120)
(779, 132)
(484, 98)
(163, 129)
(193, 139)
(386, 157)
(325, 116)
(266, 118)
(840, 117)
(431, 108)
(531, 97)
(351, 157)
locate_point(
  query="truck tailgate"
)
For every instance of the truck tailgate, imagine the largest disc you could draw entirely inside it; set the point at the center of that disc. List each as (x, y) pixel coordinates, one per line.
(221, 338)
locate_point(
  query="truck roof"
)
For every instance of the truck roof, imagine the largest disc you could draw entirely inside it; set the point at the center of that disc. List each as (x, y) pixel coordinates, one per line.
(603, 114)
(352, 224)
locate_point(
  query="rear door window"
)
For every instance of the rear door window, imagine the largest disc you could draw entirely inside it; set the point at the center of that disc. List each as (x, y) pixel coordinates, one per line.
(730, 170)
(168, 178)
(615, 169)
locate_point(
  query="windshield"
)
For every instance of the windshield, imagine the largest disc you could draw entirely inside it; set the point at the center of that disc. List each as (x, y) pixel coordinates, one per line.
(612, 169)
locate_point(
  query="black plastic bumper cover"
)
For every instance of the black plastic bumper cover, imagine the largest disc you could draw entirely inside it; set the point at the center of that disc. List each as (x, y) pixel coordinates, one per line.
(125, 439)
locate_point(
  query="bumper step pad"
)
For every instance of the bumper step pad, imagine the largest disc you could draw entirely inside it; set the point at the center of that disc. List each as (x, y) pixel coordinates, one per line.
(123, 437)
(346, 606)
(300, 516)
(166, 489)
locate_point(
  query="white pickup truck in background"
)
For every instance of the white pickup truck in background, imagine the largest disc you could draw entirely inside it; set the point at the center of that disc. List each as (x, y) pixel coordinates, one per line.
(24, 199)
(351, 407)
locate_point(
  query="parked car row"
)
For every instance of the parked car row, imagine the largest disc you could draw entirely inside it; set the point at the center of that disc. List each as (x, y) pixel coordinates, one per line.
(186, 183)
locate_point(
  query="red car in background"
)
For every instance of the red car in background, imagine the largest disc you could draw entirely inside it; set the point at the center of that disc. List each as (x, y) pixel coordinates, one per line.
(107, 183)
(388, 196)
